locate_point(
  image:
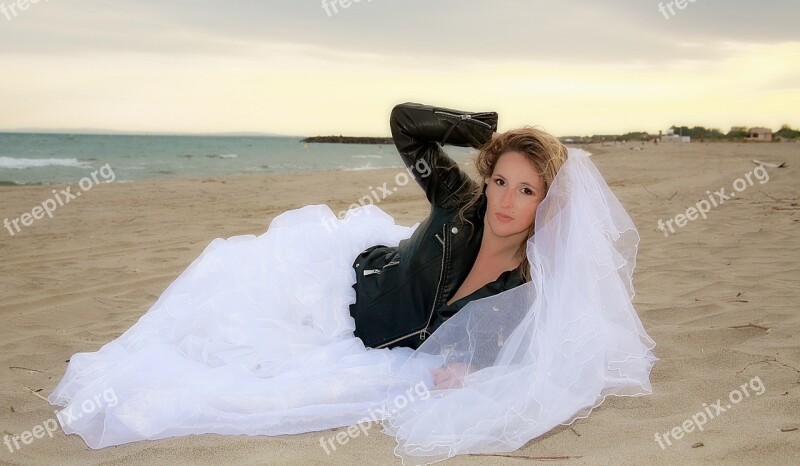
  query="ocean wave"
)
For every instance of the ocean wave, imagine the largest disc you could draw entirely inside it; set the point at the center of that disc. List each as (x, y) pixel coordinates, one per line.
(367, 156)
(362, 168)
(22, 163)
(212, 156)
(12, 183)
(261, 169)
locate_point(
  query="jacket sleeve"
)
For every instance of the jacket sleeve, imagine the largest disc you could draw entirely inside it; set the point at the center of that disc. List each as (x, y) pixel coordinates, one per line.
(419, 131)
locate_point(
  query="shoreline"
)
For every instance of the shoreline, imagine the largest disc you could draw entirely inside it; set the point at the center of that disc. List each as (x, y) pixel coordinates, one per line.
(348, 140)
(193, 178)
(595, 148)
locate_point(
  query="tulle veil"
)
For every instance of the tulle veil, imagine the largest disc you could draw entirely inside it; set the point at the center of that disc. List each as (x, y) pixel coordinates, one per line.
(549, 351)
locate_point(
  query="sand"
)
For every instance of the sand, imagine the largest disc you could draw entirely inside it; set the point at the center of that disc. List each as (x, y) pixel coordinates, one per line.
(719, 296)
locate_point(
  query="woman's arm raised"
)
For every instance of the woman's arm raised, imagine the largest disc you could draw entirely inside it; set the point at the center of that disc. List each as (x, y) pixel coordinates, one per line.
(419, 131)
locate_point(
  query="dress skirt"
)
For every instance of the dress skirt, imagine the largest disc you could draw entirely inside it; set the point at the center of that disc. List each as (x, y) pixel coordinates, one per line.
(254, 337)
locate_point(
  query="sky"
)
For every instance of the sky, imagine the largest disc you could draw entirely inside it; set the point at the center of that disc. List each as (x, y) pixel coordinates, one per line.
(296, 67)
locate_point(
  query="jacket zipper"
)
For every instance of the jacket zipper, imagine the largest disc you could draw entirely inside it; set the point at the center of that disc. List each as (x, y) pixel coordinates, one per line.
(398, 339)
(424, 330)
(467, 116)
(438, 285)
(378, 271)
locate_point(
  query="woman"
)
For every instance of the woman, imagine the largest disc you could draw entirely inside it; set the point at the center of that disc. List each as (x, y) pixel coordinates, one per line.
(305, 328)
(472, 244)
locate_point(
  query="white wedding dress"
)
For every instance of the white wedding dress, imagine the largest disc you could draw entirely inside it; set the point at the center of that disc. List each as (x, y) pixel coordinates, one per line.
(255, 337)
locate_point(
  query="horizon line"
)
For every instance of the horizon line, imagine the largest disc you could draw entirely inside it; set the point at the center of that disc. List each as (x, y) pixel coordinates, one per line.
(105, 132)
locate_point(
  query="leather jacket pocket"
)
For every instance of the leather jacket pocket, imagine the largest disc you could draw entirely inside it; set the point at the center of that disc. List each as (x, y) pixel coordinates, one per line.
(378, 271)
(438, 240)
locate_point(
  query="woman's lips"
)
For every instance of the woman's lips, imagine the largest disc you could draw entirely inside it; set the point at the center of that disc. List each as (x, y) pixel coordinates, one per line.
(503, 218)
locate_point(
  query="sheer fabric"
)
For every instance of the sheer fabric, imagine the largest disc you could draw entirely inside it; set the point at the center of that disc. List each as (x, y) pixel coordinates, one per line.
(556, 346)
(255, 337)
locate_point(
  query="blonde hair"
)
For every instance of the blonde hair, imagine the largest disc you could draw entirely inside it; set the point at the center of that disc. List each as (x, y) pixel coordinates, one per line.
(542, 149)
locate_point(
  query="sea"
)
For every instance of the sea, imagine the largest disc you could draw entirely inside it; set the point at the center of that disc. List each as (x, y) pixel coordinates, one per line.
(37, 158)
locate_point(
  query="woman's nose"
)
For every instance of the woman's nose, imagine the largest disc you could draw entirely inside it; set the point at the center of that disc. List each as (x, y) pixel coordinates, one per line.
(507, 200)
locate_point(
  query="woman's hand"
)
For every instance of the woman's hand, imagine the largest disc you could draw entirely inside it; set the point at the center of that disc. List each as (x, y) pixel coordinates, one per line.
(451, 376)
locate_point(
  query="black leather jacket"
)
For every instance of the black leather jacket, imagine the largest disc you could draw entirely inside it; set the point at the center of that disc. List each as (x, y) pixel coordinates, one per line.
(402, 292)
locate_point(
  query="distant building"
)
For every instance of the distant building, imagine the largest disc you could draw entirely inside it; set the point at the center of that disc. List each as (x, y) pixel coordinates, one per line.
(759, 134)
(670, 136)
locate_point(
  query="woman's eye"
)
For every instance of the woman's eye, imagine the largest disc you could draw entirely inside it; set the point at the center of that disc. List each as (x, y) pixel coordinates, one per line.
(527, 191)
(498, 181)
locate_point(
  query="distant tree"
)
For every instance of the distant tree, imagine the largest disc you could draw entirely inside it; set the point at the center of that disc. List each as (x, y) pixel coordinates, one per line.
(737, 133)
(787, 132)
(635, 136)
(698, 132)
(681, 130)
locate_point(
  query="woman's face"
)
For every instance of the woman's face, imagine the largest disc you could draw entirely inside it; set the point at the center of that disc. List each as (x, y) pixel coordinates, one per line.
(514, 191)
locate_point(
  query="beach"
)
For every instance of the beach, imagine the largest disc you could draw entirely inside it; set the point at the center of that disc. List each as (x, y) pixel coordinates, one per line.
(716, 284)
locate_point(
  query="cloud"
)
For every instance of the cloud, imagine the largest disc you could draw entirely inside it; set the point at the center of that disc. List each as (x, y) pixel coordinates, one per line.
(585, 31)
(286, 66)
